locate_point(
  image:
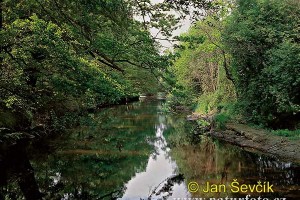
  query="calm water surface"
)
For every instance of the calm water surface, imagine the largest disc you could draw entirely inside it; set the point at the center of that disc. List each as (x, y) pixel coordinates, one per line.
(134, 152)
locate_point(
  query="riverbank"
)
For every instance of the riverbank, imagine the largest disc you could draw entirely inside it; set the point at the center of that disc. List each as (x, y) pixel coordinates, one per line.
(254, 139)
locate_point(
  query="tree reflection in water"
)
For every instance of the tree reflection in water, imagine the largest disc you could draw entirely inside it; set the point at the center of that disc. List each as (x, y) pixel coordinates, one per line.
(219, 163)
(109, 148)
(16, 168)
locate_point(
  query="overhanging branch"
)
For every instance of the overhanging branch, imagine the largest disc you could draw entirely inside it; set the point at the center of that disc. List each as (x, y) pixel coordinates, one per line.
(107, 61)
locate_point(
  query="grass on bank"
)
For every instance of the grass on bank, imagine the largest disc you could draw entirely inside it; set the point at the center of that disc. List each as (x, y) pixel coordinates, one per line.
(290, 134)
(230, 112)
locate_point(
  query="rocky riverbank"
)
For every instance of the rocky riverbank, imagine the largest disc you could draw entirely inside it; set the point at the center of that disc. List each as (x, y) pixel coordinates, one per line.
(254, 139)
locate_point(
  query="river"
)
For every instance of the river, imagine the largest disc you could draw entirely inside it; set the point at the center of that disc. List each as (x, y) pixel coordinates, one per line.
(136, 151)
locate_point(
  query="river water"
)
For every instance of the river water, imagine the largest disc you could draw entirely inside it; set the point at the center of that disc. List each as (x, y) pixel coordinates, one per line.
(136, 151)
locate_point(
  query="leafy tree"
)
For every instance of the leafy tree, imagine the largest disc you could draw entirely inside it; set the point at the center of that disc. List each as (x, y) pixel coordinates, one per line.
(57, 54)
(263, 39)
(201, 71)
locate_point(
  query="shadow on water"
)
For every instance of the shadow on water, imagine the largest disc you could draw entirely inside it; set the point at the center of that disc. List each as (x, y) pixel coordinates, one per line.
(15, 167)
(127, 152)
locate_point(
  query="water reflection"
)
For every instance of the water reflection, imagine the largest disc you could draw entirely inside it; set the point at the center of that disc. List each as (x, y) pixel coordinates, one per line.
(219, 163)
(122, 153)
(16, 168)
(159, 180)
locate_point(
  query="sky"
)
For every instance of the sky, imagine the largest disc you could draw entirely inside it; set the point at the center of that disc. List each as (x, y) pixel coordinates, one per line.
(185, 26)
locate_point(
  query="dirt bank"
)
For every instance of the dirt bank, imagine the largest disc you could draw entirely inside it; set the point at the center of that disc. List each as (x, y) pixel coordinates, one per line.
(261, 140)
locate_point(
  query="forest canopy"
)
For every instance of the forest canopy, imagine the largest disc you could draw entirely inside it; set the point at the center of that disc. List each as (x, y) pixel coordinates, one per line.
(60, 56)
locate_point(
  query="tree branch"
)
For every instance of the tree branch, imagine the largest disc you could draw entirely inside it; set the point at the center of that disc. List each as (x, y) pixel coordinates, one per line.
(132, 63)
(107, 61)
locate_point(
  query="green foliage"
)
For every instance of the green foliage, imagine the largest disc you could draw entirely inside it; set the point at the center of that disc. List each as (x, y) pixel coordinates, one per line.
(212, 102)
(263, 39)
(8, 120)
(221, 119)
(202, 123)
(65, 56)
(199, 71)
(228, 112)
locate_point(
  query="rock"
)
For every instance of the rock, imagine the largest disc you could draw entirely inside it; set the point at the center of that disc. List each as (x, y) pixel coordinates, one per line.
(261, 140)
